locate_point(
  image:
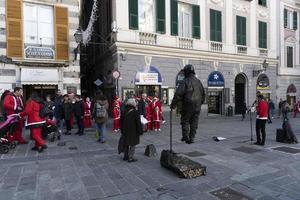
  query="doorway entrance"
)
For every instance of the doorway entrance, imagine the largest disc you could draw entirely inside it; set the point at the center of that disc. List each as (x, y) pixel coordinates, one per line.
(150, 90)
(240, 93)
(215, 102)
(42, 90)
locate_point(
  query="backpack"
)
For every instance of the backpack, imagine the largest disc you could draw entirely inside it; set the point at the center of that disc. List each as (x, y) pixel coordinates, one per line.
(100, 111)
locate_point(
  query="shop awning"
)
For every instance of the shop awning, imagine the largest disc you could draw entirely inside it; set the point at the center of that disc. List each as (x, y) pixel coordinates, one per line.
(38, 76)
(148, 76)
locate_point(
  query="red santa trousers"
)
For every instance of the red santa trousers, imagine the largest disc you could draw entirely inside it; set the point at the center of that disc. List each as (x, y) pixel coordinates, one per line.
(36, 135)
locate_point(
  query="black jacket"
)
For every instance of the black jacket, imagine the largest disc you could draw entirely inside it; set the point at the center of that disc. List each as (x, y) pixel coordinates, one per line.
(58, 107)
(67, 108)
(142, 107)
(78, 108)
(131, 127)
(191, 93)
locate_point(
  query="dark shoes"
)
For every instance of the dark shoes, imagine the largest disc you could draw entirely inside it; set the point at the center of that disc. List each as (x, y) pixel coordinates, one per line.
(39, 149)
(125, 158)
(260, 143)
(132, 160)
(67, 133)
(184, 139)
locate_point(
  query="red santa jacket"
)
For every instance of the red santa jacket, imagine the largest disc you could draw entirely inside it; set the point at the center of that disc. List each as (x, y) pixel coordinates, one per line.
(12, 103)
(116, 111)
(262, 110)
(32, 111)
(157, 111)
(87, 108)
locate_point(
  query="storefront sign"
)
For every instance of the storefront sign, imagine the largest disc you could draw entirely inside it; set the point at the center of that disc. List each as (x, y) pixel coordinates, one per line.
(39, 52)
(215, 79)
(39, 76)
(148, 76)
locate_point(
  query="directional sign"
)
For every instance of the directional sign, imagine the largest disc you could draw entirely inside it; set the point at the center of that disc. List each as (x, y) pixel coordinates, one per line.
(98, 82)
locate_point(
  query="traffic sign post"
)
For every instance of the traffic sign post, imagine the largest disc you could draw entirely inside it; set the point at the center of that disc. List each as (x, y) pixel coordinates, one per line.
(116, 75)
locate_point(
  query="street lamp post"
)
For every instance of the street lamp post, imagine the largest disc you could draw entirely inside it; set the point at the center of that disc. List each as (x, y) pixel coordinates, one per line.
(265, 65)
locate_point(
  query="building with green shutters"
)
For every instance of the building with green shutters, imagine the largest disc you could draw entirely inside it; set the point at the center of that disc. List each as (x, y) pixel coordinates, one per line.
(231, 40)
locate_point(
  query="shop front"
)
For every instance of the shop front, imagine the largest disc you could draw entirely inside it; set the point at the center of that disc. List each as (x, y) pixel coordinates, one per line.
(215, 93)
(149, 81)
(291, 95)
(263, 86)
(43, 81)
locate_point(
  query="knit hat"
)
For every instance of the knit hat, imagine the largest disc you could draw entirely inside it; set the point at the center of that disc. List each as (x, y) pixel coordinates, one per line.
(131, 102)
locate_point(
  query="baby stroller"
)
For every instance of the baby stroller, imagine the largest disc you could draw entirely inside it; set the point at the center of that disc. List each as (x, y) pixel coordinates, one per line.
(50, 131)
(6, 138)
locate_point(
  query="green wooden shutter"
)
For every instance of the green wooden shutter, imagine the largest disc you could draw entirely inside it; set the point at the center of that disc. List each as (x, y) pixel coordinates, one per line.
(196, 21)
(174, 17)
(215, 25)
(133, 14)
(160, 16)
(262, 2)
(295, 20)
(241, 30)
(285, 18)
(262, 35)
(290, 57)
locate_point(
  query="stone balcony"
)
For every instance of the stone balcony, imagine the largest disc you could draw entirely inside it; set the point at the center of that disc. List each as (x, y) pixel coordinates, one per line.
(148, 38)
(216, 46)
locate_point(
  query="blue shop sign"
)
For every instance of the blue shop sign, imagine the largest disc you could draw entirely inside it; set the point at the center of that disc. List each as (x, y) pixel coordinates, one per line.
(215, 79)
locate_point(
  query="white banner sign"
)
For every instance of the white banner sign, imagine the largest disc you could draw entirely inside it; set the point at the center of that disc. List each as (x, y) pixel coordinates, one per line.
(148, 78)
(39, 75)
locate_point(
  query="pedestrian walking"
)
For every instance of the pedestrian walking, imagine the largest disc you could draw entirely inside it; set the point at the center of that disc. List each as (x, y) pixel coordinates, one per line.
(271, 108)
(100, 115)
(285, 108)
(79, 114)
(50, 105)
(149, 113)
(14, 104)
(58, 110)
(116, 114)
(67, 113)
(262, 109)
(191, 93)
(131, 129)
(34, 122)
(87, 121)
(244, 110)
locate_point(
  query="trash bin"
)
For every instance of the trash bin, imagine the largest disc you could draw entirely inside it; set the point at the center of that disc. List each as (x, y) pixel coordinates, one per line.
(229, 111)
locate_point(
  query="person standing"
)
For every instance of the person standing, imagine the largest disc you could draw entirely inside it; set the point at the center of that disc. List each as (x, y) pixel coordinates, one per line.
(131, 129)
(280, 107)
(87, 121)
(67, 112)
(142, 103)
(116, 114)
(100, 115)
(34, 122)
(50, 104)
(272, 108)
(262, 109)
(149, 113)
(244, 110)
(191, 92)
(78, 114)
(14, 104)
(157, 111)
(58, 110)
(296, 108)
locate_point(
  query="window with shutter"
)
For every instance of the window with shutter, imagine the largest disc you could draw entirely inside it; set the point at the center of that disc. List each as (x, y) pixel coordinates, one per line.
(61, 33)
(146, 12)
(215, 25)
(285, 18)
(133, 14)
(262, 34)
(289, 56)
(174, 17)
(14, 25)
(196, 21)
(184, 20)
(295, 20)
(262, 2)
(160, 16)
(241, 38)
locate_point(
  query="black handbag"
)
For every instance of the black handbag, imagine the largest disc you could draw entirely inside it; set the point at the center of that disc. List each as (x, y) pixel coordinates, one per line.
(45, 111)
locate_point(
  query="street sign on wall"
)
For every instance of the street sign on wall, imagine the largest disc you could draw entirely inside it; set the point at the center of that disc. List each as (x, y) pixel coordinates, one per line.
(39, 52)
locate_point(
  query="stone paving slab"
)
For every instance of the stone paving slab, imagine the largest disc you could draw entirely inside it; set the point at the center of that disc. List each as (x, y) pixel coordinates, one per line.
(96, 171)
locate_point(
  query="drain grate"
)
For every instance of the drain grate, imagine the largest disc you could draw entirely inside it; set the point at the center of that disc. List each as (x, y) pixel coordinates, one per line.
(287, 150)
(246, 149)
(194, 154)
(229, 194)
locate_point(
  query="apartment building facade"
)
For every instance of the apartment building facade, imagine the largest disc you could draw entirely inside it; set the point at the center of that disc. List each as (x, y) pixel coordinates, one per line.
(37, 44)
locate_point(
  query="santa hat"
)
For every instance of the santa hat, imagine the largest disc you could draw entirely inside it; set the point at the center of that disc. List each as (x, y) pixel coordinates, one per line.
(117, 98)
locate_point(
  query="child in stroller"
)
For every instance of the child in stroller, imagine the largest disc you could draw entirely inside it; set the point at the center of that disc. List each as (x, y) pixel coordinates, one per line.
(6, 129)
(50, 131)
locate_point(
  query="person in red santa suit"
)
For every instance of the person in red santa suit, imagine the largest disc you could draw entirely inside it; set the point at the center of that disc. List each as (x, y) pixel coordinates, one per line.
(157, 111)
(34, 122)
(87, 121)
(149, 109)
(13, 104)
(116, 114)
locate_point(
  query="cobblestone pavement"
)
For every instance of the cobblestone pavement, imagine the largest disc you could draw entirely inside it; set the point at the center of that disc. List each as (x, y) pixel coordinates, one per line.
(96, 171)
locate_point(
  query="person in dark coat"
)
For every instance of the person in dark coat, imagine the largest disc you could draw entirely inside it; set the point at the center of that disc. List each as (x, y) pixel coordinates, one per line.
(142, 105)
(50, 104)
(58, 110)
(244, 110)
(67, 108)
(191, 92)
(131, 129)
(79, 113)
